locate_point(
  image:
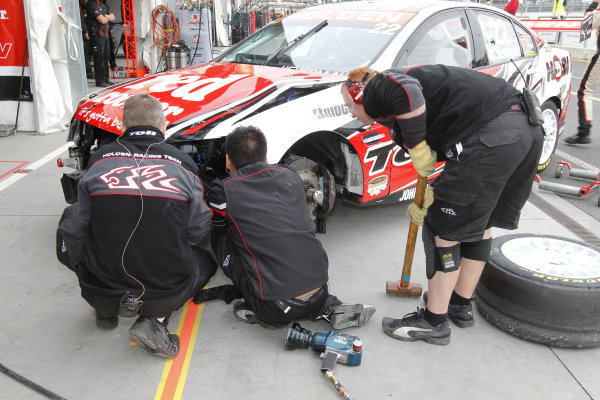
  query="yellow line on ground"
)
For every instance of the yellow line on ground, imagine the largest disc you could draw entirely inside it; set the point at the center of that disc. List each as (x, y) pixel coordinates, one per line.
(593, 98)
(169, 362)
(188, 354)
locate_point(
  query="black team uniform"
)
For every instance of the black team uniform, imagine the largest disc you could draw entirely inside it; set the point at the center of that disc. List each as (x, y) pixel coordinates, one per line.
(99, 37)
(475, 123)
(264, 240)
(491, 150)
(159, 253)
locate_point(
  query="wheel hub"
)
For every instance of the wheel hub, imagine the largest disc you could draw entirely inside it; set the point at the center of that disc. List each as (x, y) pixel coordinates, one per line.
(553, 257)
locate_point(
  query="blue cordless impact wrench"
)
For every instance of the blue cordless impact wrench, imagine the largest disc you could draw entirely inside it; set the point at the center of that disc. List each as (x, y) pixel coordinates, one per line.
(331, 347)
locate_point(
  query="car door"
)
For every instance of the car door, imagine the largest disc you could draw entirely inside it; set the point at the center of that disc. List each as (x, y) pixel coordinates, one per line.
(501, 46)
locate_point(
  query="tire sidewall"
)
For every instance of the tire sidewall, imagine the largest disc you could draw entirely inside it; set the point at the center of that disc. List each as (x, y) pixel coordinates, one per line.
(538, 307)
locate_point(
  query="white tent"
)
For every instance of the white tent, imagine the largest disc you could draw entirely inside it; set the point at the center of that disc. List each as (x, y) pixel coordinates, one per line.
(51, 87)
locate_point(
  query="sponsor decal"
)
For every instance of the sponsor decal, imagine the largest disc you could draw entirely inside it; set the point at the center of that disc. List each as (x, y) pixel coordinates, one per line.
(128, 178)
(5, 50)
(401, 157)
(379, 156)
(12, 38)
(142, 133)
(331, 112)
(388, 17)
(408, 194)
(557, 68)
(377, 185)
(567, 280)
(448, 261)
(186, 87)
(449, 211)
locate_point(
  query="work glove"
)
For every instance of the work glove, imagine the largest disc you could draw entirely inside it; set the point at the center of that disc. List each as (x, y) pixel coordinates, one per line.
(423, 159)
(417, 214)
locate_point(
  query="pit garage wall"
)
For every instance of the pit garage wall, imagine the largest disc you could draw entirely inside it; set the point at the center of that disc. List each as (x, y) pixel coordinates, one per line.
(147, 54)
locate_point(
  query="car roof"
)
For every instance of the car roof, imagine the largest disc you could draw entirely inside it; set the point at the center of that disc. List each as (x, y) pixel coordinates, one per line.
(395, 5)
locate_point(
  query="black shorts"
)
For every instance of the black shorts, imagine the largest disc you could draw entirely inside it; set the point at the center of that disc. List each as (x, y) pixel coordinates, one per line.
(487, 179)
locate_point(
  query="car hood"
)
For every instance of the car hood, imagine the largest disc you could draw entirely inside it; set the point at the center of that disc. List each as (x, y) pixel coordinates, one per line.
(197, 98)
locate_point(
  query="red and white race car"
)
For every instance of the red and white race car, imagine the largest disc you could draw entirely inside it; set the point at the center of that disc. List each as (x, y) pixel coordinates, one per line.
(285, 79)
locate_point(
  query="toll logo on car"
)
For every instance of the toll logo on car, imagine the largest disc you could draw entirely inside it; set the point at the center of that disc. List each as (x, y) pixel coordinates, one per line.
(379, 156)
(377, 185)
(331, 112)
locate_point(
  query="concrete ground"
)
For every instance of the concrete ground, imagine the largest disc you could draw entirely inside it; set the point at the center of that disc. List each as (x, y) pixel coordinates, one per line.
(48, 331)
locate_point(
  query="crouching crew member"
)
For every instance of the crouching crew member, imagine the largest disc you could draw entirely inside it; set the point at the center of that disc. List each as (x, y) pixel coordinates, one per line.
(476, 124)
(264, 239)
(139, 215)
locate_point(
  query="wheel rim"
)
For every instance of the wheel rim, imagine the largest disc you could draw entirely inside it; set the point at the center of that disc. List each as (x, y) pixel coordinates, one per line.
(553, 257)
(551, 129)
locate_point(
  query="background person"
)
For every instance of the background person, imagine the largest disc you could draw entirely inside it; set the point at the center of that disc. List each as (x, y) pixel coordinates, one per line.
(98, 17)
(476, 123)
(86, 39)
(264, 239)
(140, 213)
(512, 7)
(588, 85)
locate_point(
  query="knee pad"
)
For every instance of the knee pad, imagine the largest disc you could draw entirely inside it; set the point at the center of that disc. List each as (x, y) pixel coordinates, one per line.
(479, 250)
(430, 253)
(448, 258)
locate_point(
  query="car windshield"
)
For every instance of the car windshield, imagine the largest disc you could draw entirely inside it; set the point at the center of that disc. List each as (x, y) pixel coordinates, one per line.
(347, 39)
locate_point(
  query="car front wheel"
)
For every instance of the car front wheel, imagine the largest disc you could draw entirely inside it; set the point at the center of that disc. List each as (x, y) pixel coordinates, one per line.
(550, 115)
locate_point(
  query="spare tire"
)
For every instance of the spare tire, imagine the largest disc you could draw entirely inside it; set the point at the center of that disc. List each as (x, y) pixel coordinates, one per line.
(543, 288)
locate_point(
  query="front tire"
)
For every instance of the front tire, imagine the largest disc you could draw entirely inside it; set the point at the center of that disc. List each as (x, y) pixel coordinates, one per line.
(543, 288)
(550, 115)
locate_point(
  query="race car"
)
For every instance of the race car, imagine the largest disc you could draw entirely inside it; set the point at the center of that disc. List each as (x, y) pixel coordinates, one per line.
(285, 79)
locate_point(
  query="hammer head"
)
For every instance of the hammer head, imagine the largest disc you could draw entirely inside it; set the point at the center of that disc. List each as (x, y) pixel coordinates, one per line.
(395, 288)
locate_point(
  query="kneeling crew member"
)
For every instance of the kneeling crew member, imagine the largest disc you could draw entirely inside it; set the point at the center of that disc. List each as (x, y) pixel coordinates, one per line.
(140, 212)
(264, 239)
(477, 125)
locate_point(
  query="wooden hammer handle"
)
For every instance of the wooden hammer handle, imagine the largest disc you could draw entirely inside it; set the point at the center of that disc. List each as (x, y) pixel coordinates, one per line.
(412, 234)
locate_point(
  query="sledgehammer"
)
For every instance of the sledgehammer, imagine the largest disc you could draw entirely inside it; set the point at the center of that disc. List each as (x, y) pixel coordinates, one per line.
(403, 287)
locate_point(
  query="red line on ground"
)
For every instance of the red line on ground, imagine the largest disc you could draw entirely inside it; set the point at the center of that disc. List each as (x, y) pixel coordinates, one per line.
(184, 342)
(21, 164)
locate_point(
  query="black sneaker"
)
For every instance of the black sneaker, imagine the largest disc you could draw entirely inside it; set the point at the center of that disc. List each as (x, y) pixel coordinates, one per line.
(242, 312)
(578, 139)
(462, 316)
(227, 293)
(342, 316)
(106, 322)
(153, 336)
(414, 327)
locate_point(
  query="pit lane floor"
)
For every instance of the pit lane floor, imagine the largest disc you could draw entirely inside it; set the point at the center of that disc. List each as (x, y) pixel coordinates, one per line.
(48, 331)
